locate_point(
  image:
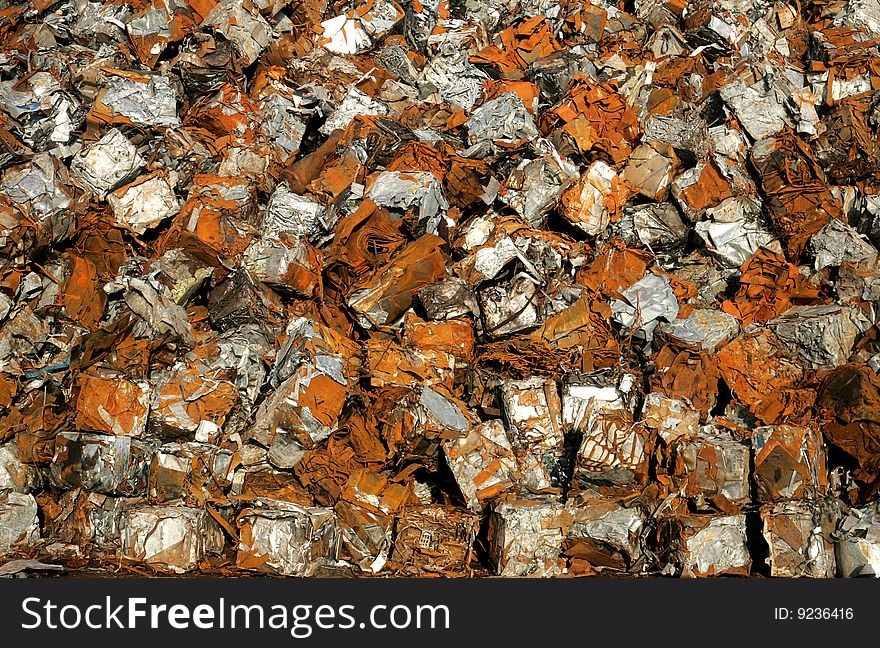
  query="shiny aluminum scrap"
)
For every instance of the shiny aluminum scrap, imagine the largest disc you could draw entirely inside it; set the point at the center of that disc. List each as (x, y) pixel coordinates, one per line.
(605, 532)
(526, 535)
(858, 546)
(19, 524)
(713, 464)
(715, 545)
(284, 538)
(645, 304)
(177, 538)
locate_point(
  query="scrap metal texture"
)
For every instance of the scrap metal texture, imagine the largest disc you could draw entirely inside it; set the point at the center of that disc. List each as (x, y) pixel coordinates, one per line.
(443, 288)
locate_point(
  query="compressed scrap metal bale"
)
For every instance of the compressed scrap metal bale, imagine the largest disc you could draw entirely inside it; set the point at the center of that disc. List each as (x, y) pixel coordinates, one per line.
(467, 249)
(613, 446)
(526, 535)
(293, 214)
(284, 538)
(108, 163)
(177, 538)
(650, 170)
(19, 524)
(593, 199)
(392, 364)
(112, 404)
(311, 378)
(132, 98)
(503, 121)
(434, 538)
(115, 465)
(512, 307)
(420, 192)
(365, 513)
(714, 546)
(704, 329)
(188, 402)
(354, 103)
(534, 186)
(734, 242)
(416, 421)
(604, 532)
(144, 203)
(285, 264)
(248, 30)
(838, 242)
(365, 535)
(671, 418)
(713, 464)
(44, 115)
(822, 337)
(89, 519)
(384, 296)
(38, 190)
(659, 227)
(858, 546)
(847, 401)
(191, 471)
(482, 462)
(448, 299)
(789, 463)
(799, 535)
(15, 474)
(533, 412)
(645, 304)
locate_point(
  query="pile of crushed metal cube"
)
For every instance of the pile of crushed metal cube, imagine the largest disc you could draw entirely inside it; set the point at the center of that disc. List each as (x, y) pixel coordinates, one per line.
(440, 287)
